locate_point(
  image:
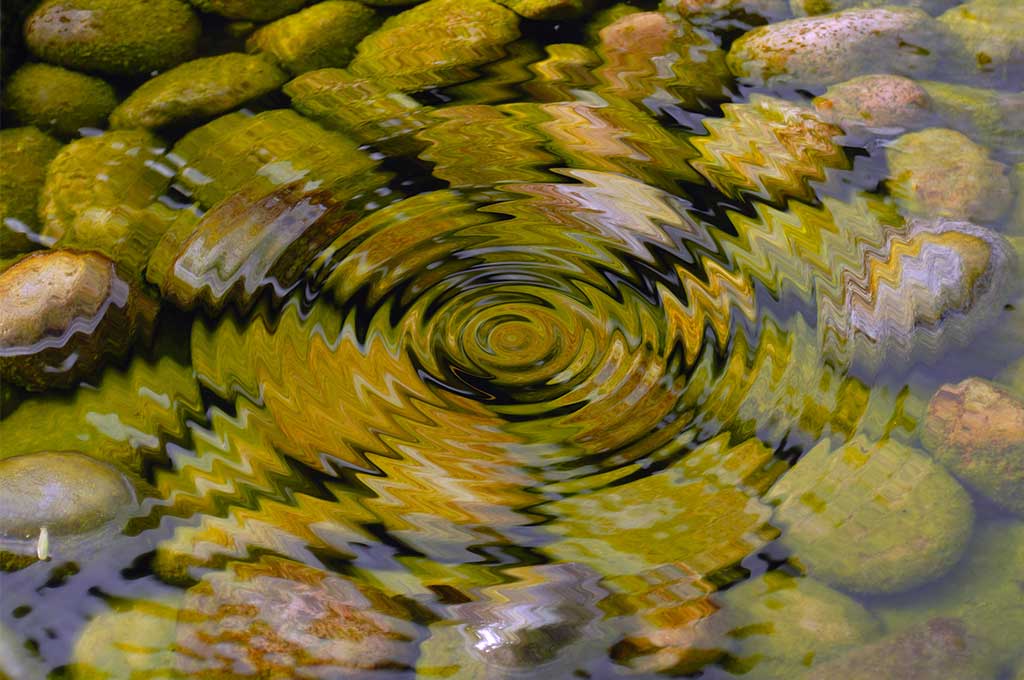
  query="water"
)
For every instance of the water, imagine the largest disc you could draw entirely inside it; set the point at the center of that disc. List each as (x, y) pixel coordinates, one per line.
(509, 389)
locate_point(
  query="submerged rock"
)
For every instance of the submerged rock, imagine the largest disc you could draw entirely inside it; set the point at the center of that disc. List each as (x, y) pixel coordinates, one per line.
(828, 49)
(25, 154)
(784, 625)
(713, 11)
(57, 100)
(197, 90)
(118, 168)
(322, 36)
(872, 518)
(111, 36)
(278, 618)
(976, 429)
(811, 7)
(249, 10)
(940, 648)
(133, 640)
(437, 43)
(993, 118)
(546, 10)
(941, 173)
(65, 312)
(989, 38)
(879, 103)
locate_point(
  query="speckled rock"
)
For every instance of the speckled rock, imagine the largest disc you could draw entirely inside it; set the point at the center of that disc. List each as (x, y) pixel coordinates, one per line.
(64, 313)
(785, 625)
(976, 429)
(57, 100)
(872, 518)
(322, 36)
(831, 48)
(249, 10)
(117, 168)
(436, 43)
(880, 103)
(810, 7)
(941, 173)
(993, 118)
(282, 619)
(990, 40)
(712, 11)
(114, 37)
(197, 90)
(25, 154)
(939, 648)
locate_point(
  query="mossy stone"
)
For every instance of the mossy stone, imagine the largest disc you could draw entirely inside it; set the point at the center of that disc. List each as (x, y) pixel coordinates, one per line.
(65, 312)
(112, 36)
(322, 36)
(976, 429)
(547, 10)
(990, 40)
(872, 518)
(197, 90)
(993, 118)
(57, 100)
(133, 640)
(117, 168)
(941, 173)
(784, 625)
(25, 154)
(434, 44)
(249, 10)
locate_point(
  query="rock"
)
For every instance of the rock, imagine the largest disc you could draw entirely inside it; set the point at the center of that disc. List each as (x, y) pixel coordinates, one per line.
(810, 7)
(266, 151)
(322, 36)
(545, 622)
(648, 56)
(278, 618)
(984, 591)
(135, 639)
(876, 103)
(64, 313)
(828, 49)
(941, 173)
(1015, 224)
(940, 648)
(198, 90)
(872, 518)
(57, 100)
(708, 12)
(65, 492)
(249, 10)
(931, 290)
(118, 168)
(25, 154)
(993, 118)
(548, 10)
(785, 625)
(976, 429)
(113, 37)
(125, 234)
(434, 44)
(989, 38)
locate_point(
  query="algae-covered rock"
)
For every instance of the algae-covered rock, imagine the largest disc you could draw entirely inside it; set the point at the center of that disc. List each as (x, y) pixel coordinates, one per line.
(882, 103)
(125, 234)
(284, 619)
(117, 168)
(437, 43)
(57, 100)
(66, 493)
(25, 154)
(112, 36)
(64, 313)
(989, 38)
(135, 639)
(784, 625)
(939, 648)
(994, 118)
(875, 518)
(941, 173)
(831, 48)
(647, 56)
(197, 90)
(249, 10)
(544, 622)
(976, 429)
(322, 36)
(810, 7)
(547, 9)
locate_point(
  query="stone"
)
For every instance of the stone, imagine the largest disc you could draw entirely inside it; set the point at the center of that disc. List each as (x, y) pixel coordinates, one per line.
(989, 38)
(249, 10)
(993, 118)
(57, 100)
(876, 103)
(25, 154)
